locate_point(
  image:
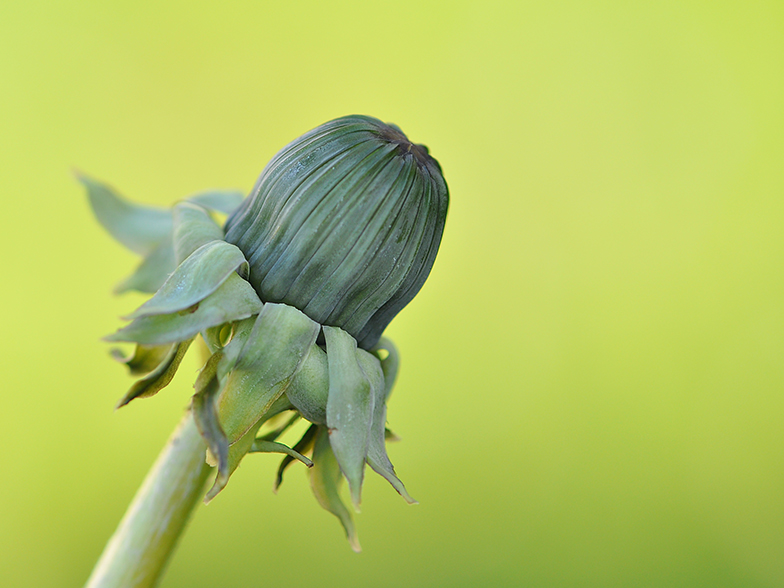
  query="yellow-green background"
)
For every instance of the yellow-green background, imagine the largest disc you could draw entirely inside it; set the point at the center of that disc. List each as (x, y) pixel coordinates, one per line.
(592, 382)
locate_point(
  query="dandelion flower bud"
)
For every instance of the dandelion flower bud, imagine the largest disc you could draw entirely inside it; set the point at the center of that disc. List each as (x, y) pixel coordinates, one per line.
(344, 224)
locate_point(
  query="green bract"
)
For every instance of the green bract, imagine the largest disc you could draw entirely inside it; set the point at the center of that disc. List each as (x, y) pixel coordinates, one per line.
(339, 233)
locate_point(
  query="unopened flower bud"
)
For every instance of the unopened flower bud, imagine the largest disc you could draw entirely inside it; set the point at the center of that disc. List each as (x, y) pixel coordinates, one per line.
(344, 224)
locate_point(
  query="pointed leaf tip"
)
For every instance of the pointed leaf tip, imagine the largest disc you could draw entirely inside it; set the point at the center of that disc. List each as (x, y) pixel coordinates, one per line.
(377, 457)
(325, 479)
(140, 228)
(160, 377)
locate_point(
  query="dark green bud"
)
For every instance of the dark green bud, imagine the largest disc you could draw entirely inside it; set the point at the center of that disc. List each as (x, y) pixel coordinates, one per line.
(344, 224)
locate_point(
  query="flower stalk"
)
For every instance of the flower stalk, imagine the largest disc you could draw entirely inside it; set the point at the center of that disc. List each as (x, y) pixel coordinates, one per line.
(140, 548)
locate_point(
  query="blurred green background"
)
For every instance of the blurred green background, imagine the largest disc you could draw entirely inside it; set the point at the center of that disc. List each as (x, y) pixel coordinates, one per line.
(591, 387)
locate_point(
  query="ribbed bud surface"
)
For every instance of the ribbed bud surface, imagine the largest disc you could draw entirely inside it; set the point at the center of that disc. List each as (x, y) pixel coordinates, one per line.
(344, 224)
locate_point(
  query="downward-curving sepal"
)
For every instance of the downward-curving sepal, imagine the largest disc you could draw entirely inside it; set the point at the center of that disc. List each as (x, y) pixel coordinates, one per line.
(239, 449)
(325, 479)
(349, 408)
(268, 361)
(201, 274)
(158, 377)
(205, 415)
(143, 359)
(377, 453)
(234, 300)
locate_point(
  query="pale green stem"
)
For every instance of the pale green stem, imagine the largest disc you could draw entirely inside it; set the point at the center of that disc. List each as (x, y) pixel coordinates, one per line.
(137, 553)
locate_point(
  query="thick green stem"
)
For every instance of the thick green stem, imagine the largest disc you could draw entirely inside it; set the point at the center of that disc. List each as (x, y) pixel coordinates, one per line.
(140, 547)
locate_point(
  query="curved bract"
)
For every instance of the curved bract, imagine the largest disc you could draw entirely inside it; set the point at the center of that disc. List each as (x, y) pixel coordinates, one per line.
(338, 235)
(344, 223)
